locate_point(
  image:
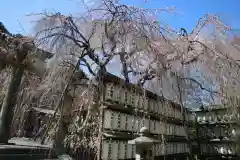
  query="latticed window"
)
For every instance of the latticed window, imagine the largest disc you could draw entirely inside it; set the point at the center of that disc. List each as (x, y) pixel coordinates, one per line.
(110, 91)
(160, 108)
(118, 149)
(112, 120)
(156, 107)
(126, 96)
(146, 122)
(152, 105)
(170, 111)
(175, 148)
(170, 129)
(129, 151)
(154, 126)
(109, 149)
(146, 103)
(115, 149)
(105, 150)
(116, 120)
(141, 102)
(126, 151)
(132, 98)
(177, 114)
(130, 122)
(121, 150)
(117, 93)
(119, 121)
(107, 119)
(174, 129)
(133, 150)
(123, 121)
(157, 150)
(126, 122)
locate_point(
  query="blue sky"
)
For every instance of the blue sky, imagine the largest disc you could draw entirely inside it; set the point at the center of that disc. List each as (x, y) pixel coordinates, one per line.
(13, 12)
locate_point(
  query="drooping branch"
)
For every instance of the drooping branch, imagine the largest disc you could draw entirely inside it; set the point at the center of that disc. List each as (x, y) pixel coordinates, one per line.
(199, 84)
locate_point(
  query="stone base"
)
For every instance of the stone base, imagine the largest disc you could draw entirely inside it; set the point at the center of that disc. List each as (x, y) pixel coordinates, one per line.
(24, 150)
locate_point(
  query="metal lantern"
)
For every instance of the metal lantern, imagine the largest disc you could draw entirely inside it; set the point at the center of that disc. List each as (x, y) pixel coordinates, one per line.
(204, 119)
(143, 143)
(210, 119)
(199, 119)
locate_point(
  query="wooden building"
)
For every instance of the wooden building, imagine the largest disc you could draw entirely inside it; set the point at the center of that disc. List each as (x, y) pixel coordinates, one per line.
(127, 108)
(216, 132)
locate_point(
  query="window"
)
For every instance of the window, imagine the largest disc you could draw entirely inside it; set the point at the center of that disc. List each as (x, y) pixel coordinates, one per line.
(119, 121)
(168, 129)
(115, 149)
(110, 91)
(132, 99)
(108, 117)
(141, 102)
(152, 107)
(112, 119)
(146, 101)
(122, 152)
(109, 150)
(105, 150)
(130, 124)
(128, 151)
(160, 108)
(125, 96)
(123, 122)
(154, 126)
(117, 93)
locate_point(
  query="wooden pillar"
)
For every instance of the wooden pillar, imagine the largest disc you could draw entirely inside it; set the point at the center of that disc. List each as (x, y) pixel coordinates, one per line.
(9, 102)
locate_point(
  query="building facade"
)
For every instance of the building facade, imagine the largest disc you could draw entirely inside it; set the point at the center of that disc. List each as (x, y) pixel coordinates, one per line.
(127, 108)
(217, 132)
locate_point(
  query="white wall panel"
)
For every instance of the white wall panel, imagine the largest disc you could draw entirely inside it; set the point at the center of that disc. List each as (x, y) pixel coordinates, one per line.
(151, 105)
(156, 107)
(105, 149)
(145, 103)
(114, 150)
(132, 99)
(110, 91)
(122, 151)
(117, 93)
(129, 151)
(123, 121)
(115, 120)
(130, 122)
(107, 119)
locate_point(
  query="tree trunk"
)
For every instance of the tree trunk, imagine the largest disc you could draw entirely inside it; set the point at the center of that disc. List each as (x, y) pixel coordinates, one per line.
(63, 125)
(9, 102)
(185, 124)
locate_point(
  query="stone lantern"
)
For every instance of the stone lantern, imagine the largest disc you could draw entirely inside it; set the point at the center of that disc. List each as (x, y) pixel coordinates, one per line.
(143, 144)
